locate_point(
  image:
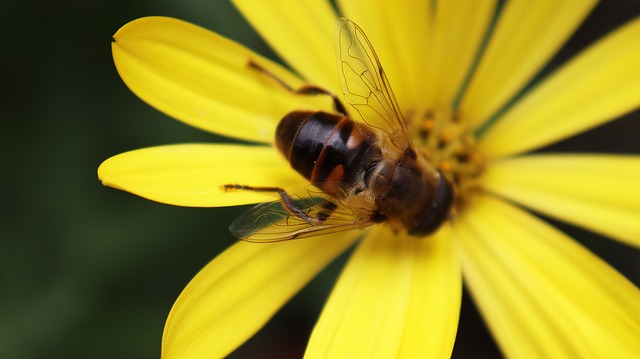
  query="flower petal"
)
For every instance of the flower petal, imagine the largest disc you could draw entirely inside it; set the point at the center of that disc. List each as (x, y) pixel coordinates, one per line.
(598, 192)
(541, 293)
(239, 291)
(459, 28)
(399, 32)
(301, 32)
(527, 34)
(593, 88)
(398, 296)
(192, 174)
(204, 79)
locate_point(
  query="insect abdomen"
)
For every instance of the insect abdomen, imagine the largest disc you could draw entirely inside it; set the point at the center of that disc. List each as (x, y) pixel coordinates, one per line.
(327, 149)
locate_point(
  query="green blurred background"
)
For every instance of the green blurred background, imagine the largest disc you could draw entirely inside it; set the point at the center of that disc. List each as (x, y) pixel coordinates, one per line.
(91, 272)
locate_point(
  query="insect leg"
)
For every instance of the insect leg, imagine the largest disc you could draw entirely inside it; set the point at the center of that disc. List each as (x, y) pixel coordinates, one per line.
(304, 89)
(287, 203)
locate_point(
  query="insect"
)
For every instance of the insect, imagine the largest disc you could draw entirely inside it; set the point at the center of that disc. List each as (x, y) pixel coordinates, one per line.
(360, 161)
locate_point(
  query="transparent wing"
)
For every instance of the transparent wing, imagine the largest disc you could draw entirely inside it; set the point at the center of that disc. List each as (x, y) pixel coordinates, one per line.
(365, 86)
(299, 217)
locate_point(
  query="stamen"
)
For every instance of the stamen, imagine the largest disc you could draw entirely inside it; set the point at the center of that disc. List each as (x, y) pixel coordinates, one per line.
(450, 146)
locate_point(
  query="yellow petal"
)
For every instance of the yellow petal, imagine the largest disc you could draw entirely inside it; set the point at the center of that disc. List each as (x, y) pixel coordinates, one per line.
(301, 32)
(527, 34)
(593, 88)
(541, 293)
(399, 32)
(458, 30)
(204, 79)
(434, 307)
(239, 291)
(398, 296)
(192, 174)
(598, 192)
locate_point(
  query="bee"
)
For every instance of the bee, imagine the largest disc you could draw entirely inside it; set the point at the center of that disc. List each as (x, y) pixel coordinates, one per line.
(360, 161)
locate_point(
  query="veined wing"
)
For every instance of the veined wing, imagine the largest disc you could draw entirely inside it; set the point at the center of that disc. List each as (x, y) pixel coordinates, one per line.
(365, 86)
(296, 217)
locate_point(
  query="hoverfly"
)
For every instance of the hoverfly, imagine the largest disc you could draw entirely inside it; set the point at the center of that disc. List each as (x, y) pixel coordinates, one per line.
(360, 161)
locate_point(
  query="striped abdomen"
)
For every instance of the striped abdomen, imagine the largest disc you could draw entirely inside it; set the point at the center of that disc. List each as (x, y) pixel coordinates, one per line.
(328, 149)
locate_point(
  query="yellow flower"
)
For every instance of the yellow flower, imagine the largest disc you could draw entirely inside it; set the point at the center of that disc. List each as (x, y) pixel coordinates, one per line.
(456, 67)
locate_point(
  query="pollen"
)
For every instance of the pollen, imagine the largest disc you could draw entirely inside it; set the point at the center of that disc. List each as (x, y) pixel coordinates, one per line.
(450, 146)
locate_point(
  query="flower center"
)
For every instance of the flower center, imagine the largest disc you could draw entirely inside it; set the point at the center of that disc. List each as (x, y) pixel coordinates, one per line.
(450, 146)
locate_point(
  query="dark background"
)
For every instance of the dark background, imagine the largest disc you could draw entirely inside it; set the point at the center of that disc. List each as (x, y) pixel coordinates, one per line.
(88, 271)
